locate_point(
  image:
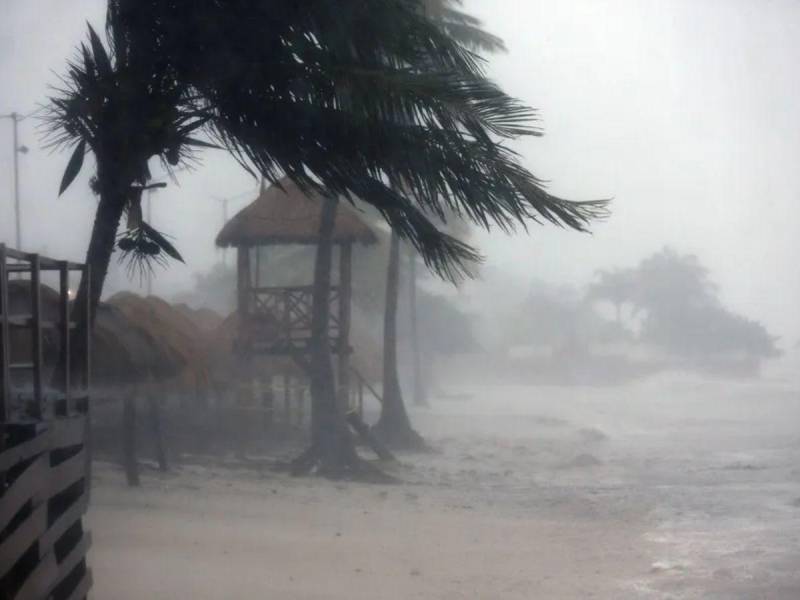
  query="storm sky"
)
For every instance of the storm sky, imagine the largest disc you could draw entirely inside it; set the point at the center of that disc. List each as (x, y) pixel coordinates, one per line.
(684, 112)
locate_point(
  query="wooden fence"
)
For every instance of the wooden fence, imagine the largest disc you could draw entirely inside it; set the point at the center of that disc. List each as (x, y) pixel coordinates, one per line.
(44, 458)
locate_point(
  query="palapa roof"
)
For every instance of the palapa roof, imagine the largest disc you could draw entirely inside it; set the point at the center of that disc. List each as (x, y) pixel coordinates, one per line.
(169, 329)
(290, 216)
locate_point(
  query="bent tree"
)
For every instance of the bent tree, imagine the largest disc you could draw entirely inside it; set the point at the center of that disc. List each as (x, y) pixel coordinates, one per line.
(354, 100)
(394, 425)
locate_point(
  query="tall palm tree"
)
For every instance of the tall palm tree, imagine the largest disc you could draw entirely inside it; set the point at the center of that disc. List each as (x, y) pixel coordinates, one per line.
(394, 426)
(349, 99)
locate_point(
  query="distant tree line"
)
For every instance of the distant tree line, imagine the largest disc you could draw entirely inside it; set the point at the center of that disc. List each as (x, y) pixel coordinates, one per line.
(667, 302)
(682, 312)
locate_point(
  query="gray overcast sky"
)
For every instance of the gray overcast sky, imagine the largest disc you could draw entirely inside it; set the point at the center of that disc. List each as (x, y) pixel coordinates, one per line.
(684, 111)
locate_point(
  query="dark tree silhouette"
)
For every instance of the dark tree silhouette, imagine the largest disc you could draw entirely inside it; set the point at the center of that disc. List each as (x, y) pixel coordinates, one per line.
(393, 426)
(682, 312)
(685, 316)
(617, 287)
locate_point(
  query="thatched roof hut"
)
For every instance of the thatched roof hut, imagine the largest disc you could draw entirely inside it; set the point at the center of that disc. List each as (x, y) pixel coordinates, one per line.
(285, 214)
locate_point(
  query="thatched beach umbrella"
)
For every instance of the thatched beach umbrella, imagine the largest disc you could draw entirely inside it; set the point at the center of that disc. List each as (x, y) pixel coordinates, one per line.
(169, 329)
(204, 319)
(124, 353)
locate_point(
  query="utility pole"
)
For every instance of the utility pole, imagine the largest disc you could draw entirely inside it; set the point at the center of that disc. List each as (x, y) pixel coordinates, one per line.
(224, 202)
(15, 120)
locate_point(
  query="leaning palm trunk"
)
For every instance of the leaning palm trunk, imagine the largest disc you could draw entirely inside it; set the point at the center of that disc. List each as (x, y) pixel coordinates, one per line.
(420, 394)
(113, 194)
(394, 427)
(332, 452)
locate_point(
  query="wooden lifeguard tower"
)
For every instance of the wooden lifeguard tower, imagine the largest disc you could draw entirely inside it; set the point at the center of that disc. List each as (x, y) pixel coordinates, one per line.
(275, 320)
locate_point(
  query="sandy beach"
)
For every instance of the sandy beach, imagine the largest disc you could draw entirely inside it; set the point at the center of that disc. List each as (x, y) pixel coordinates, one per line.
(669, 488)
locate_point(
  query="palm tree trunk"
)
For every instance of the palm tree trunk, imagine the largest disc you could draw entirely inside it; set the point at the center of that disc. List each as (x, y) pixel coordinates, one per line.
(113, 198)
(98, 255)
(394, 427)
(332, 452)
(420, 398)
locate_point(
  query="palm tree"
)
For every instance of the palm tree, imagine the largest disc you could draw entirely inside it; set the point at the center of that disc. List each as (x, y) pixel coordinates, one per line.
(419, 391)
(350, 99)
(332, 452)
(394, 426)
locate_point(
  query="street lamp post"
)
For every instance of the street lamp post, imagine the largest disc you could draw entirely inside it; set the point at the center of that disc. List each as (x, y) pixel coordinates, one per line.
(15, 120)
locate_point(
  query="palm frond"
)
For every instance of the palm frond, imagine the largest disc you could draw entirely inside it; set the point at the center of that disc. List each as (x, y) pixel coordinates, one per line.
(359, 99)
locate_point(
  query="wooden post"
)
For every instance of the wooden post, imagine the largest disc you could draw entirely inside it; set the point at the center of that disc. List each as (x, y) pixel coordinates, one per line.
(360, 398)
(268, 403)
(129, 459)
(257, 271)
(5, 354)
(87, 377)
(345, 295)
(243, 283)
(285, 315)
(87, 360)
(364, 433)
(300, 402)
(36, 333)
(287, 399)
(244, 292)
(155, 426)
(63, 309)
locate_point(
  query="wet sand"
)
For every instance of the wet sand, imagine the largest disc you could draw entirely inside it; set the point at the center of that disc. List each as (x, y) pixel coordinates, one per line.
(670, 488)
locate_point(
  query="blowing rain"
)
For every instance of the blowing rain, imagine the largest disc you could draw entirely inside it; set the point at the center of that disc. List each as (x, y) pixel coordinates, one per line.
(429, 299)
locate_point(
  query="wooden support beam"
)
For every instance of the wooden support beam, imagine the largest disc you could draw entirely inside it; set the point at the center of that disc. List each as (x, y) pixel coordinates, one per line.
(300, 401)
(130, 460)
(5, 351)
(36, 334)
(361, 398)
(63, 309)
(345, 295)
(87, 362)
(268, 403)
(366, 436)
(287, 399)
(155, 427)
(243, 282)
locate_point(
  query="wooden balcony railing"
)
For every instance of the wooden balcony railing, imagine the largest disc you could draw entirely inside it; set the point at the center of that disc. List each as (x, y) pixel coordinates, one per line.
(278, 319)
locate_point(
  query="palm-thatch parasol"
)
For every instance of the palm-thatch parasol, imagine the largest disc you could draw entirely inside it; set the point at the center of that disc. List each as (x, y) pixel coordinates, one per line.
(170, 329)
